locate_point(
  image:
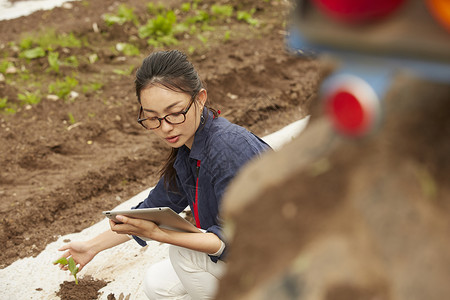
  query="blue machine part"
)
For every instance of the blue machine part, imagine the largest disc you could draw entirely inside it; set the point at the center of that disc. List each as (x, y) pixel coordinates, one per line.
(370, 67)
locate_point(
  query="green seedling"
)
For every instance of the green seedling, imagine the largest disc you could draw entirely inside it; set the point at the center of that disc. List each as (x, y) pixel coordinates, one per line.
(26, 43)
(186, 7)
(53, 61)
(160, 30)
(195, 3)
(3, 102)
(4, 65)
(32, 53)
(247, 17)
(49, 40)
(222, 11)
(10, 110)
(71, 61)
(71, 118)
(92, 87)
(70, 263)
(203, 39)
(227, 36)
(201, 16)
(126, 72)
(156, 9)
(160, 26)
(191, 49)
(63, 88)
(124, 14)
(30, 98)
(127, 49)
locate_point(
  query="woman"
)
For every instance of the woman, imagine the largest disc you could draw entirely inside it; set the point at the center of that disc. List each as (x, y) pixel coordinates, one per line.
(207, 152)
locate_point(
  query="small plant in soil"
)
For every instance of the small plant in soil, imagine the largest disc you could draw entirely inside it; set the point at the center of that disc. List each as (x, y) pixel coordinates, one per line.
(70, 263)
(124, 14)
(222, 11)
(3, 102)
(247, 17)
(53, 61)
(29, 98)
(63, 88)
(71, 118)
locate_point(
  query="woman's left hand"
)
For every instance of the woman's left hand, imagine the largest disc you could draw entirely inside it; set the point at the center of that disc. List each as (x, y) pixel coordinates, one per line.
(136, 227)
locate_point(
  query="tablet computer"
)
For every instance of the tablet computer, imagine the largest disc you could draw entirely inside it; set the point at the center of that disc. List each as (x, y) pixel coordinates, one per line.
(164, 217)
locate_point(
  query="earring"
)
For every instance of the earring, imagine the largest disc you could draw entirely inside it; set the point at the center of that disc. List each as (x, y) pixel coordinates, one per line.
(202, 119)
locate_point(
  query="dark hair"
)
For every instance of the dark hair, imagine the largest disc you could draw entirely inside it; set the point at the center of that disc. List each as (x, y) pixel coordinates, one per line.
(172, 70)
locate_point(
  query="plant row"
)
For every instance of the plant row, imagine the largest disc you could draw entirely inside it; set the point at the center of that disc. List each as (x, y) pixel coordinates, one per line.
(51, 52)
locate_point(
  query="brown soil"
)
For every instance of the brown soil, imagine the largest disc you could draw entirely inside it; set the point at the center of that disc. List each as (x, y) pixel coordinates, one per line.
(57, 177)
(86, 289)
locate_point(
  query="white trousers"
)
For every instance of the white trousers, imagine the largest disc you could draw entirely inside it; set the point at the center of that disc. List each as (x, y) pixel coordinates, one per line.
(187, 274)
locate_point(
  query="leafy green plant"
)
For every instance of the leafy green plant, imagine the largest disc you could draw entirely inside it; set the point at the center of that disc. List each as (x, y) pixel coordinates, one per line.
(48, 39)
(4, 65)
(10, 110)
(71, 118)
(30, 98)
(71, 61)
(91, 87)
(3, 102)
(247, 17)
(124, 14)
(36, 46)
(222, 11)
(186, 7)
(53, 61)
(125, 72)
(6, 107)
(71, 265)
(127, 49)
(32, 53)
(155, 9)
(202, 38)
(227, 36)
(63, 88)
(160, 30)
(191, 49)
(26, 43)
(200, 16)
(195, 4)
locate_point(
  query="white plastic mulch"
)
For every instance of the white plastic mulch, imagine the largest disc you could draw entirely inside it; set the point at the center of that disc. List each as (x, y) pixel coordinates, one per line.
(14, 9)
(124, 265)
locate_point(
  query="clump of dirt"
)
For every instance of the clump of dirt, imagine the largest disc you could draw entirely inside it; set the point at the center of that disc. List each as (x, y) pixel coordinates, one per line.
(86, 289)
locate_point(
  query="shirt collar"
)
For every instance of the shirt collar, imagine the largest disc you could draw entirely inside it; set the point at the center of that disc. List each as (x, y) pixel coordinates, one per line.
(200, 137)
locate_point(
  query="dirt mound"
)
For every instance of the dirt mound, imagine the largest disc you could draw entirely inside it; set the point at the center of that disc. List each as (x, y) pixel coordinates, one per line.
(330, 217)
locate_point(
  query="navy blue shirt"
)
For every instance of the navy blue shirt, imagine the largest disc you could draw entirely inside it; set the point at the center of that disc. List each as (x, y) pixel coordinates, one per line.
(222, 149)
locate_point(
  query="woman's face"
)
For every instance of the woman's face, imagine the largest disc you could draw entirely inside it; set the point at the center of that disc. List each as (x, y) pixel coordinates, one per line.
(159, 101)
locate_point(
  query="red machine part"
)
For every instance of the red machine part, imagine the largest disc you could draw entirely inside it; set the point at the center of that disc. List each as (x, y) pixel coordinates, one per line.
(357, 11)
(352, 105)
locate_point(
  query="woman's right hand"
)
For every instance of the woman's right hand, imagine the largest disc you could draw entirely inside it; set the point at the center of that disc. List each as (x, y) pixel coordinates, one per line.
(81, 253)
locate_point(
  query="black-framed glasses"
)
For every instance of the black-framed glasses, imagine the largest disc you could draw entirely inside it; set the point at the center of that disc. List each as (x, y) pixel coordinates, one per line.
(155, 122)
